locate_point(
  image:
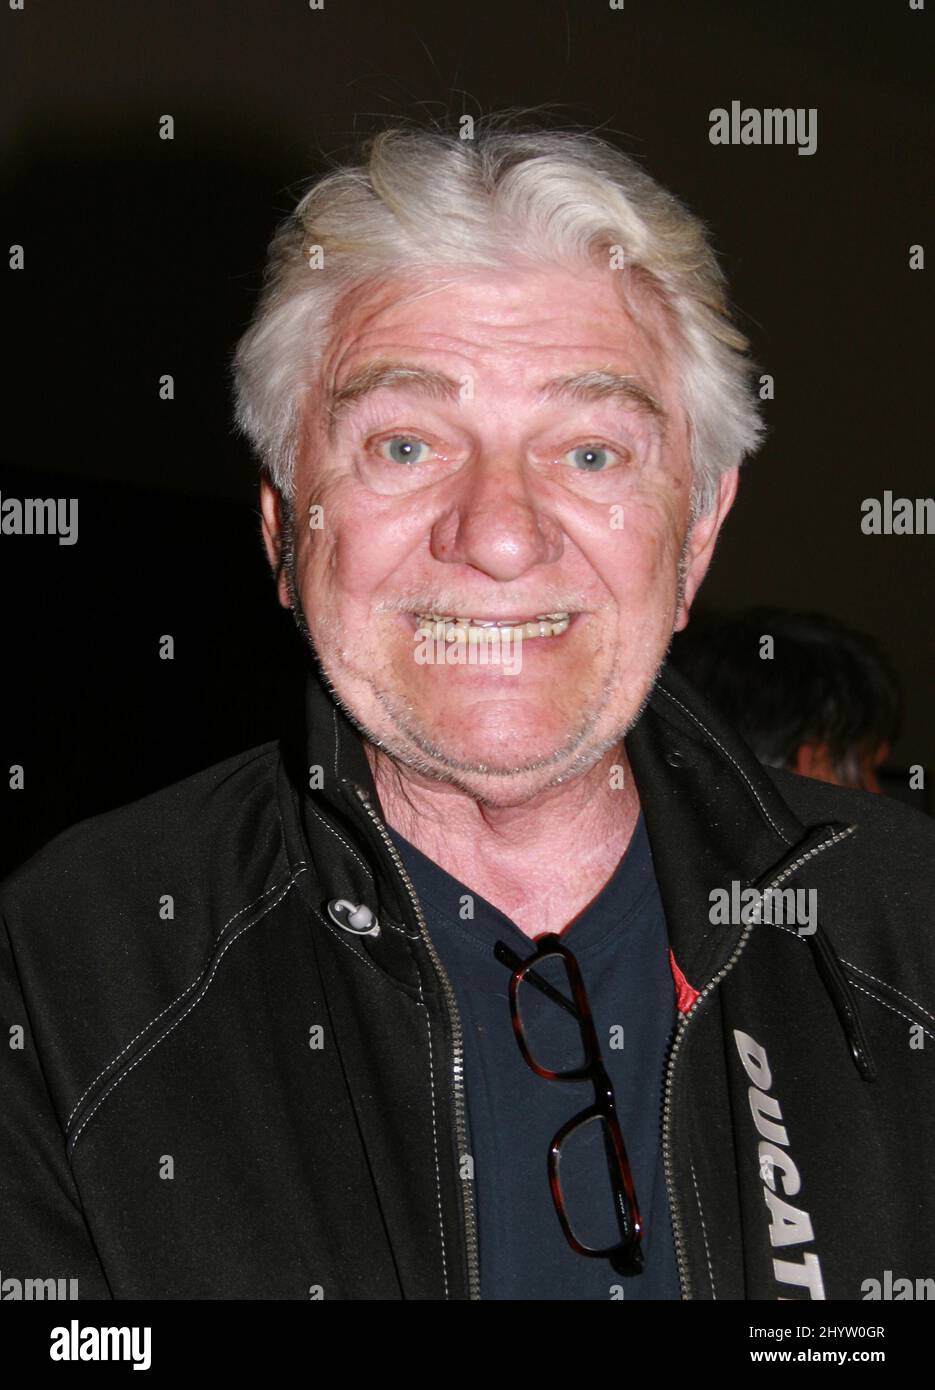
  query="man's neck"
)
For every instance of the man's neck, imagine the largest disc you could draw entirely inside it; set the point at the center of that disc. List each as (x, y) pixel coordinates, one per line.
(540, 863)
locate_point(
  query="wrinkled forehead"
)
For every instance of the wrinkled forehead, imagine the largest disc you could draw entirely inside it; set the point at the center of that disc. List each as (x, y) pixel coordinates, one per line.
(533, 309)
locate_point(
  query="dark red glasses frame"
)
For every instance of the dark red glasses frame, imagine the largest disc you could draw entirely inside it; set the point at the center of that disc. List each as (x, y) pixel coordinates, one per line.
(626, 1257)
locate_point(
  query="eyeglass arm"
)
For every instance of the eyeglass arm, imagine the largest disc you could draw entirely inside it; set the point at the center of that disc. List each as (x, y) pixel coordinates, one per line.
(513, 962)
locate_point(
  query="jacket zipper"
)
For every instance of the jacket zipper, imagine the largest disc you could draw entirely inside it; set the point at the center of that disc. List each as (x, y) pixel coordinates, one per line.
(677, 1227)
(467, 1193)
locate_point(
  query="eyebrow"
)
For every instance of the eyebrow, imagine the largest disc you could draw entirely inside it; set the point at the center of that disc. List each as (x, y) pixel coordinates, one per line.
(589, 385)
(601, 385)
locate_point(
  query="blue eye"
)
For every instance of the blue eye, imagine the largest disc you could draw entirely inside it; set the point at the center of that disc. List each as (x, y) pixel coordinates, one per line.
(403, 449)
(590, 458)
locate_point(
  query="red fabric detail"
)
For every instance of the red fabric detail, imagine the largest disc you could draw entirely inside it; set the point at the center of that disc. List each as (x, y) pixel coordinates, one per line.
(684, 993)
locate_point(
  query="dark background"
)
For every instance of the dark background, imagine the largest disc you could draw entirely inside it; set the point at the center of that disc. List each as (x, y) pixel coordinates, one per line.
(143, 257)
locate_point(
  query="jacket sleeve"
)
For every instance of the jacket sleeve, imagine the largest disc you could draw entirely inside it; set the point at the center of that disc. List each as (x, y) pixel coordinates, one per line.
(43, 1231)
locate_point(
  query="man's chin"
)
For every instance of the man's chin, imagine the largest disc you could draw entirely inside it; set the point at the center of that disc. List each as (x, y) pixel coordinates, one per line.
(476, 758)
(504, 764)
(491, 783)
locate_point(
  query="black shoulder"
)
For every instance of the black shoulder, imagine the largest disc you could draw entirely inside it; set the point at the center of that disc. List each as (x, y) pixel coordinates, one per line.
(814, 801)
(889, 833)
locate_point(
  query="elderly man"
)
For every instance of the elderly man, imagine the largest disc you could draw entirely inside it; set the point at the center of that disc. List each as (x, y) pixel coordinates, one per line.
(516, 976)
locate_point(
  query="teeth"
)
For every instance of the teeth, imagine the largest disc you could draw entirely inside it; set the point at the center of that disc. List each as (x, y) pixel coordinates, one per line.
(543, 625)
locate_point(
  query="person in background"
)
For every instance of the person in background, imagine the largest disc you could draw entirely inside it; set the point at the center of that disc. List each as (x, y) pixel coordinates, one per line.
(805, 691)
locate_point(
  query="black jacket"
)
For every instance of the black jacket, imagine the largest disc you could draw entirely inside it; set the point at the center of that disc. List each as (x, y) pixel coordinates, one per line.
(211, 1088)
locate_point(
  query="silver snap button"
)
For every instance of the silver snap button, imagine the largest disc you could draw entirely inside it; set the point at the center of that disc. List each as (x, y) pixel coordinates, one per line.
(675, 758)
(353, 917)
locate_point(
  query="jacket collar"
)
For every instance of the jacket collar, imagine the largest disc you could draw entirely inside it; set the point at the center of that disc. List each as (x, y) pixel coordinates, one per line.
(712, 813)
(324, 771)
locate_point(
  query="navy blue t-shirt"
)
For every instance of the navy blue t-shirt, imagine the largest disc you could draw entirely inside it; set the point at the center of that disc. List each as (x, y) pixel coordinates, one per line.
(621, 945)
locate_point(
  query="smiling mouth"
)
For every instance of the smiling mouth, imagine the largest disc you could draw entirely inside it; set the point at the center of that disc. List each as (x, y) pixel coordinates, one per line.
(540, 625)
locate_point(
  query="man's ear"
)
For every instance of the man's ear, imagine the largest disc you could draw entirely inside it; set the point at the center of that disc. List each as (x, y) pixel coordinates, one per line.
(271, 510)
(702, 540)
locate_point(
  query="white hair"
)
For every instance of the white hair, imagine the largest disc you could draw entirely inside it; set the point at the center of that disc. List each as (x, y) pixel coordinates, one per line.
(424, 199)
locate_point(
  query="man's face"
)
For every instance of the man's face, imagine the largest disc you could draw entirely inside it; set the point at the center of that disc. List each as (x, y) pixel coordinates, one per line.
(507, 495)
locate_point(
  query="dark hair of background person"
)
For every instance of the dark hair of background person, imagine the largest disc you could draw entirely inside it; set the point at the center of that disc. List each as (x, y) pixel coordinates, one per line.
(824, 686)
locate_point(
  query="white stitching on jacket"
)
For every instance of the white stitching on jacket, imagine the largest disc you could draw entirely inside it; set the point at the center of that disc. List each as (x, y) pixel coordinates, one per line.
(401, 930)
(871, 994)
(703, 1229)
(438, 1176)
(857, 985)
(116, 1082)
(348, 847)
(188, 989)
(695, 720)
(887, 985)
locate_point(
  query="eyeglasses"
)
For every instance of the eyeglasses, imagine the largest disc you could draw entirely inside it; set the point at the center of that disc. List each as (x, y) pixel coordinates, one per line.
(625, 1255)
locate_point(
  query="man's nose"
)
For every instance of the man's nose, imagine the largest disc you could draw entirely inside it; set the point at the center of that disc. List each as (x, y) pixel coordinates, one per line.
(496, 523)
